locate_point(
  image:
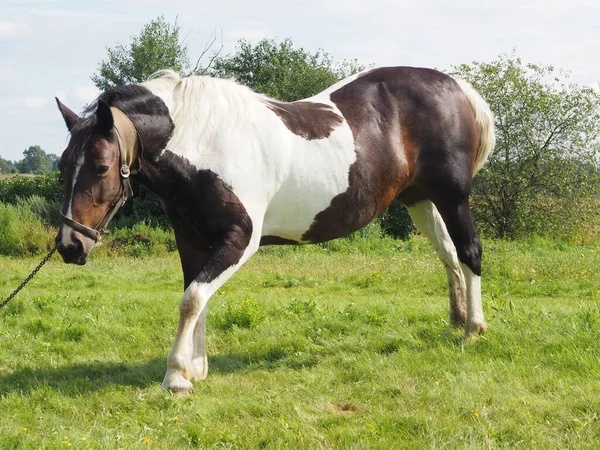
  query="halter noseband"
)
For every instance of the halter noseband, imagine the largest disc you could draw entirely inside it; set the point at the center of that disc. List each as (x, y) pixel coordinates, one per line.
(127, 148)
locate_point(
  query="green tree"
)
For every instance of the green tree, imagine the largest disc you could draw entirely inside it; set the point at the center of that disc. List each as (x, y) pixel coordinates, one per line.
(156, 47)
(36, 161)
(6, 166)
(280, 70)
(53, 161)
(544, 169)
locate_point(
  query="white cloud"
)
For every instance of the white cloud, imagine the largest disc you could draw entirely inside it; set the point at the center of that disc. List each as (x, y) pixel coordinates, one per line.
(9, 30)
(68, 14)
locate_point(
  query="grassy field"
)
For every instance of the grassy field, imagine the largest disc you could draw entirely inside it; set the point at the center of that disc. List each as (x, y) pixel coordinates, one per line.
(340, 347)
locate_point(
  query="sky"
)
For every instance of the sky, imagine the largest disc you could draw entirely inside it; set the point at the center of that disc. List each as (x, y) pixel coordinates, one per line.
(50, 48)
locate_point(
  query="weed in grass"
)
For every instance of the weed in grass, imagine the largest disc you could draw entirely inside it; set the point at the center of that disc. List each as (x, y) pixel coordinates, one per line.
(300, 307)
(242, 313)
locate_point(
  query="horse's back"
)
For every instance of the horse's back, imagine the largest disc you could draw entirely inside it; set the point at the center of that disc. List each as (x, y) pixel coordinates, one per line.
(402, 127)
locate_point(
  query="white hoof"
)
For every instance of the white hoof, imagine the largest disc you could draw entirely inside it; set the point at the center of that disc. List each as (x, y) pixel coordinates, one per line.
(176, 383)
(473, 330)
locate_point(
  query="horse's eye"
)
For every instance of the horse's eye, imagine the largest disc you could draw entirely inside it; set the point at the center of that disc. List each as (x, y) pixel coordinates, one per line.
(61, 179)
(102, 170)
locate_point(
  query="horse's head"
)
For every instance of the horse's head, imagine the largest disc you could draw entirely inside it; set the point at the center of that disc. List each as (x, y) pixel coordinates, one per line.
(94, 171)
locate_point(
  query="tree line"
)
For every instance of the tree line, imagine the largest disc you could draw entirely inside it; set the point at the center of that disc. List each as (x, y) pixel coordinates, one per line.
(35, 161)
(542, 178)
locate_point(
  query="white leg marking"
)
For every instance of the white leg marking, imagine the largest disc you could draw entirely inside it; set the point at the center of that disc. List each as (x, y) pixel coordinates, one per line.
(429, 222)
(475, 320)
(179, 363)
(187, 361)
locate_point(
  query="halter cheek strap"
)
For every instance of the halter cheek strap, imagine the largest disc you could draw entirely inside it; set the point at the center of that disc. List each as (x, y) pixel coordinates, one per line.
(127, 140)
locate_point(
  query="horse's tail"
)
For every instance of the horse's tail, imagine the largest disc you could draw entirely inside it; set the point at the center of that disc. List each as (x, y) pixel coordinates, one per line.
(484, 120)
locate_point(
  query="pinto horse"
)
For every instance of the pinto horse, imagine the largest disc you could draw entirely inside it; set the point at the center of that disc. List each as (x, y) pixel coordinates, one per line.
(236, 170)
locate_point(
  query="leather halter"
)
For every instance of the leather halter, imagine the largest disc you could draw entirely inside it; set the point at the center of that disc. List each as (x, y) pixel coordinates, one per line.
(127, 139)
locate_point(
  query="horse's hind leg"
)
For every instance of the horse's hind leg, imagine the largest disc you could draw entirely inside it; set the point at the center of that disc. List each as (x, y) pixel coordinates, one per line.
(429, 222)
(457, 217)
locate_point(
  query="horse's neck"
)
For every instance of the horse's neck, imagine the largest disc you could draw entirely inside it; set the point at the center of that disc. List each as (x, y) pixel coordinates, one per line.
(167, 176)
(213, 120)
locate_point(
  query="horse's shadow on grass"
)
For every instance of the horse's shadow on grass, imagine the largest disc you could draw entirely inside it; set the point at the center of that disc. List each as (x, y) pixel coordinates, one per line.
(79, 379)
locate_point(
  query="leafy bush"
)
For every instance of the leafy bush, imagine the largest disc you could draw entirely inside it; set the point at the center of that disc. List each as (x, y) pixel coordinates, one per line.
(547, 148)
(396, 222)
(281, 70)
(145, 207)
(141, 240)
(45, 186)
(569, 220)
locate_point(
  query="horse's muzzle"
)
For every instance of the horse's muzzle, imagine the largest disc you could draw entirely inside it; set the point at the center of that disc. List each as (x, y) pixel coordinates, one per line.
(72, 253)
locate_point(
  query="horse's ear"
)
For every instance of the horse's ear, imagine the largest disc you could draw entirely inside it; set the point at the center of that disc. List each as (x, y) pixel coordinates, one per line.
(105, 117)
(69, 116)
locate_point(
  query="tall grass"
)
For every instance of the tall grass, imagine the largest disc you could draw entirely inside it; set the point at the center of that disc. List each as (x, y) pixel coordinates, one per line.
(22, 228)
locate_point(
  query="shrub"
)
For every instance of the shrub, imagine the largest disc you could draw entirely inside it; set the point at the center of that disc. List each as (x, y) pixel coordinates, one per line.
(141, 239)
(45, 186)
(242, 313)
(21, 232)
(547, 148)
(145, 207)
(573, 220)
(396, 222)
(48, 211)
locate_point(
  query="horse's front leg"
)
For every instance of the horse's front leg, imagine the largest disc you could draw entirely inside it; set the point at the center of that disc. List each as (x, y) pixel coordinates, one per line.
(187, 360)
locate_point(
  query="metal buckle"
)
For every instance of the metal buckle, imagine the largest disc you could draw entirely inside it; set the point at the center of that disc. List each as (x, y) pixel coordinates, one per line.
(125, 172)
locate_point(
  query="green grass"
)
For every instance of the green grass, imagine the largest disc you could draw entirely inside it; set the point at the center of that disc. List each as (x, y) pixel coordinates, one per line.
(343, 346)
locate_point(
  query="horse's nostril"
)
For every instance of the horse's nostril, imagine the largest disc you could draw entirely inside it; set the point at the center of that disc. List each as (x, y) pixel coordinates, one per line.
(71, 252)
(78, 247)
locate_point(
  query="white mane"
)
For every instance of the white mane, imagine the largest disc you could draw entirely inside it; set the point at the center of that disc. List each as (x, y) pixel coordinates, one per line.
(204, 108)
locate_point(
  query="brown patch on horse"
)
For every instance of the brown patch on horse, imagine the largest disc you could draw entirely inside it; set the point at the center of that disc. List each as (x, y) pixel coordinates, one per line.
(412, 128)
(307, 119)
(209, 220)
(411, 194)
(380, 170)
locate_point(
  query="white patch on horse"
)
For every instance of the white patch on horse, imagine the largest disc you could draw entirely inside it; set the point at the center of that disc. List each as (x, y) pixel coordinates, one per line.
(475, 321)
(227, 128)
(66, 229)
